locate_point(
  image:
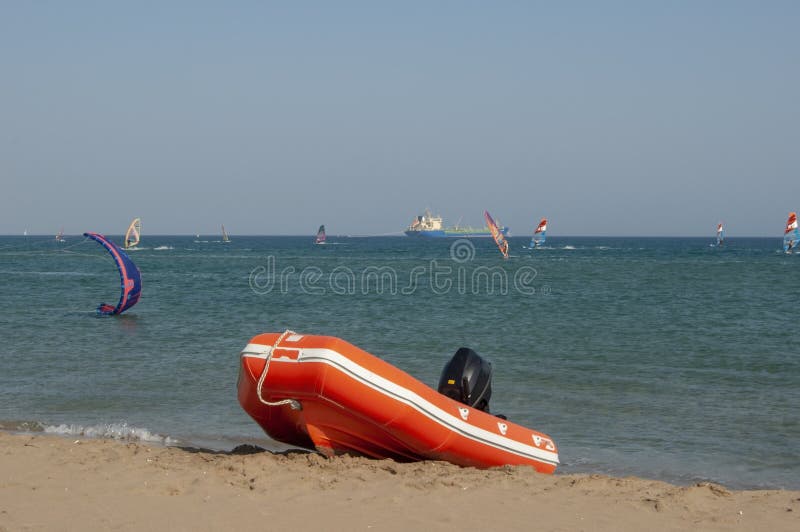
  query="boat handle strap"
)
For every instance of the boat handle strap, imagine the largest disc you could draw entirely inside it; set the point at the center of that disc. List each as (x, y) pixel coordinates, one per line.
(291, 402)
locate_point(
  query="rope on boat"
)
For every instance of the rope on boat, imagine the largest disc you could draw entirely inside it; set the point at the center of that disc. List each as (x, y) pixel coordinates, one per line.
(291, 402)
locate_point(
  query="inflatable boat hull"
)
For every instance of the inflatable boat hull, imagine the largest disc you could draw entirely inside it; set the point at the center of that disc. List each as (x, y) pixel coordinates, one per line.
(322, 393)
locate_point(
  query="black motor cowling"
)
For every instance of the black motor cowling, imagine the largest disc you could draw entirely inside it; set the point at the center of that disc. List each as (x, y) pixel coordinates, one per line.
(467, 378)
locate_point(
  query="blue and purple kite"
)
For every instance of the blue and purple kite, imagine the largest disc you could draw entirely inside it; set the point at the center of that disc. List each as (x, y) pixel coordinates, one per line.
(129, 275)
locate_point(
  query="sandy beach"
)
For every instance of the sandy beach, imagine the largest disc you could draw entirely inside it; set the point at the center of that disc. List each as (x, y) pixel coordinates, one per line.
(55, 483)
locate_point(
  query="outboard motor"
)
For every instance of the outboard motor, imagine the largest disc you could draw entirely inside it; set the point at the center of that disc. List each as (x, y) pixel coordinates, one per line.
(467, 378)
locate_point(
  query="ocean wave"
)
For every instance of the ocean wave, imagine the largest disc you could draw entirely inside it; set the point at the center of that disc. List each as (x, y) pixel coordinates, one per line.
(50, 273)
(21, 426)
(116, 431)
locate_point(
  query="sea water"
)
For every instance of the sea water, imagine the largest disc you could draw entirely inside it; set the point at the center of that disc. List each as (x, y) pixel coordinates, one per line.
(664, 358)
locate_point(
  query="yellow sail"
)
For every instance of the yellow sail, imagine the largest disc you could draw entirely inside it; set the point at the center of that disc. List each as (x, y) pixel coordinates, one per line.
(134, 234)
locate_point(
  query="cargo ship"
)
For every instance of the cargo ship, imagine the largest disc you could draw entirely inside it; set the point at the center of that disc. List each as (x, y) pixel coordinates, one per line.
(429, 226)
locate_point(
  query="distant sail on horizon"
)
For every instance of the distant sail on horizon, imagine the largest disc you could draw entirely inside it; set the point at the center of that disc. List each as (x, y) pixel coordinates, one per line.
(791, 235)
(539, 234)
(225, 237)
(134, 233)
(321, 236)
(720, 234)
(499, 238)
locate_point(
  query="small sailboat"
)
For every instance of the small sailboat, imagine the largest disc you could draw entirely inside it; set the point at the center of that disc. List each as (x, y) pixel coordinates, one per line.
(791, 236)
(134, 234)
(225, 237)
(320, 235)
(539, 234)
(720, 234)
(497, 234)
(60, 236)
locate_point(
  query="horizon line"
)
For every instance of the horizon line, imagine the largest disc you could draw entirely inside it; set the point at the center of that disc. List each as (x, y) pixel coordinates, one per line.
(392, 235)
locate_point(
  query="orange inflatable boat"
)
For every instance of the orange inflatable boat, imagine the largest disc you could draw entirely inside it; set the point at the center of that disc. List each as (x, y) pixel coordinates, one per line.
(320, 392)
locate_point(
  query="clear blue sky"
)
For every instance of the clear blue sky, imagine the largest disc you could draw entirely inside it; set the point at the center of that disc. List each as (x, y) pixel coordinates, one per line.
(609, 118)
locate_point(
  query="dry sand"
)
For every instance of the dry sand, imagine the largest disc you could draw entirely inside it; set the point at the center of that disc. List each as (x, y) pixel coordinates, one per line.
(53, 483)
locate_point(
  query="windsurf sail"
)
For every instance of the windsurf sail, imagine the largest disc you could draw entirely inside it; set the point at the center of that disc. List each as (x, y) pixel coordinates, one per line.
(720, 234)
(791, 235)
(129, 275)
(225, 237)
(134, 234)
(539, 234)
(321, 235)
(497, 234)
(60, 235)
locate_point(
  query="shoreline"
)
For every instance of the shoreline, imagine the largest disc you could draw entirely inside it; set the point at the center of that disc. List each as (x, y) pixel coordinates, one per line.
(52, 482)
(125, 433)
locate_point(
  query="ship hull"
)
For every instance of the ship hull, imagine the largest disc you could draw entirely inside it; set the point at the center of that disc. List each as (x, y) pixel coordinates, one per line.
(447, 233)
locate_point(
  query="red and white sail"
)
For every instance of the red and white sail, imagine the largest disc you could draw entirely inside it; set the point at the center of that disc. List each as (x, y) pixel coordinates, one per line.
(539, 234)
(791, 235)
